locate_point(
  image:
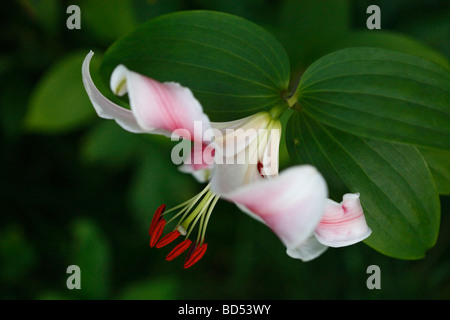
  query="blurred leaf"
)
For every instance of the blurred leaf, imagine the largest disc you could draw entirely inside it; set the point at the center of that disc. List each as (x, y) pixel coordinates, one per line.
(234, 67)
(46, 13)
(398, 195)
(439, 163)
(59, 102)
(52, 295)
(254, 10)
(17, 256)
(108, 20)
(91, 252)
(380, 94)
(158, 181)
(392, 41)
(146, 10)
(152, 289)
(433, 28)
(16, 89)
(110, 145)
(307, 27)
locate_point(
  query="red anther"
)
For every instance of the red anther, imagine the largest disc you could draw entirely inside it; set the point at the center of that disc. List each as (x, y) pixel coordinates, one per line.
(260, 167)
(168, 238)
(195, 255)
(179, 249)
(157, 232)
(156, 218)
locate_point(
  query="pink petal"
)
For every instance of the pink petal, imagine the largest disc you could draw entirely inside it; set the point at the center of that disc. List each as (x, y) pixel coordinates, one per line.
(163, 107)
(199, 162)
(105, 108)
(291, 204)
(307, 250)
(343, 224)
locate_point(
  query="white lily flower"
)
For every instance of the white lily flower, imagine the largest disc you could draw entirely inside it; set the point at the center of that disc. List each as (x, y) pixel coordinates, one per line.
(294, 203)
(157, 108)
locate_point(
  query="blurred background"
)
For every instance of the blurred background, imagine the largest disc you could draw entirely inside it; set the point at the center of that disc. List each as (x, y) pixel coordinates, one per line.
(78, 190)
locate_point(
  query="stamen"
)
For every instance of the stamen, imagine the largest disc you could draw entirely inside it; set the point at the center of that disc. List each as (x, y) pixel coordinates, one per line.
(195, 255)
(168, 238)
(179, 249)
(260, 168)
(157, 232)
(156, 218)
(196, 214)
(208, 214)
(197, 210)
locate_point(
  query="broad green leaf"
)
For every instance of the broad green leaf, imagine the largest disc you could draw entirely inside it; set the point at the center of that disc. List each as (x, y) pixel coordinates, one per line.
(234, 67)
(439, 164)
(92, 253)
(380, 94)
(398, 194)
(391, 41)
(59, 102)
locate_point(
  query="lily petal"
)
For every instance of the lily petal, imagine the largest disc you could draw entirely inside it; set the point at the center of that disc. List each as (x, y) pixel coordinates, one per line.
(161, 107)
(234, 136)
(201, 175)
(104, 107)
(291, 204)
(253, 154)
(310, 249)
(199, 162)
(342, 224)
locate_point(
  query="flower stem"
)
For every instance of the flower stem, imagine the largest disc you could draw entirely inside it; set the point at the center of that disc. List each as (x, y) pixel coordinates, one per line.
(277, 111)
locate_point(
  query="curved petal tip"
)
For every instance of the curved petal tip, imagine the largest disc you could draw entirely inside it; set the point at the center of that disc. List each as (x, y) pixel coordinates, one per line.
(344, 223)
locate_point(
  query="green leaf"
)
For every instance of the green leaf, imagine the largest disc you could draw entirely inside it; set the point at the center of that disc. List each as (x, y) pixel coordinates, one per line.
(391, 41)
(110, 145)
(59, 102)
(17, 255)
(439, 163)
(157, 181)
(381, 94)
(234, 67)
(398, 194)
(46, 13)
(92, 254)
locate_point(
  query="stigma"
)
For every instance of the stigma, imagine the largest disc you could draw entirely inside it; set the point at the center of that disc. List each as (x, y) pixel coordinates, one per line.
(195, 211)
